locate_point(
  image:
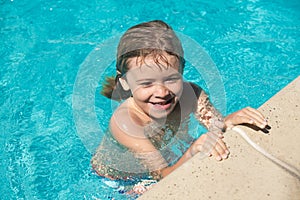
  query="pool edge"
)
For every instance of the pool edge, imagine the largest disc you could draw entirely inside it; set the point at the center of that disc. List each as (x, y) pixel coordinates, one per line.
(246, 174)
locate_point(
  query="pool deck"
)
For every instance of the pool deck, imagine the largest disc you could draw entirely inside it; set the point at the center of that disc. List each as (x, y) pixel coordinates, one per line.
(246, 174)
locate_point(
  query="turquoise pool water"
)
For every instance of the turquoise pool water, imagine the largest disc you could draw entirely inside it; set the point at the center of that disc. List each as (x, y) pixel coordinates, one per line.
(254, 45)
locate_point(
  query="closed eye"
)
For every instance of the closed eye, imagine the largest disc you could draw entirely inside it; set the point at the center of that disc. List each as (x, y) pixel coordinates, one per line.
(173, 79)
(145, 83)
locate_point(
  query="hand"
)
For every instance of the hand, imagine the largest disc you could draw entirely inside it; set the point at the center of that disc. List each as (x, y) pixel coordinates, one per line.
(215, 146)
(220, 150)
(247, 115)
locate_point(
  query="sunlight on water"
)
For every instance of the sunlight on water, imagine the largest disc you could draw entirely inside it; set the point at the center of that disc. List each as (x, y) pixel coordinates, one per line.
(254, 44)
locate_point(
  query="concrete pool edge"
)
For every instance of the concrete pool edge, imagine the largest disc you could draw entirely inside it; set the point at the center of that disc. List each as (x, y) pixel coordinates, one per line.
(246, 174)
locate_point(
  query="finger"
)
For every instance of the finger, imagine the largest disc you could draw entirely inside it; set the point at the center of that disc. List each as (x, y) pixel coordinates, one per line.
(258, 115)
(216, 155)
(249, 120)
(253, 114)
(254, 117)
(223, 150)
(256, 112)
(223, 145)
(220, 151)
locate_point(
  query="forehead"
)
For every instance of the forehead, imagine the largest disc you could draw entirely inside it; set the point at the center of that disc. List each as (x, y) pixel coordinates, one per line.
(149, 68)
(155, 62)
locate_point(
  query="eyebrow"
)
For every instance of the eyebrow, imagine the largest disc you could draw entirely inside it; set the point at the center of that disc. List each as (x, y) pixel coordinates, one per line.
(145, 80)
(175, 75)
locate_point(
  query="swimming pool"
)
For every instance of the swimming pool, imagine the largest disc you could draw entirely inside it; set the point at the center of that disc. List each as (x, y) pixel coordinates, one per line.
(254, 45)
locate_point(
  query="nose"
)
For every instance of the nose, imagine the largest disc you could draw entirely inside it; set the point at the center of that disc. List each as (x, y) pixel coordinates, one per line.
(161, 90)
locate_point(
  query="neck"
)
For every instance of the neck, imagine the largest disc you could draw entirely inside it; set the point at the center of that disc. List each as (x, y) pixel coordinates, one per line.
(139, 114)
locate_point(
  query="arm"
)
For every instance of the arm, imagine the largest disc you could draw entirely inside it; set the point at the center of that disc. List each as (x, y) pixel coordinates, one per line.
(212, 120)
(128, 133)
(216, 124)
(206, 113)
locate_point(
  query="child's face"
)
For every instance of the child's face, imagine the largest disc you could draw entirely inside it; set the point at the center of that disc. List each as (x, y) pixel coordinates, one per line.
(156, 90)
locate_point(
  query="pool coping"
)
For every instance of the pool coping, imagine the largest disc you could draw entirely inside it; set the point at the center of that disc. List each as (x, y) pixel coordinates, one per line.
(247, 174)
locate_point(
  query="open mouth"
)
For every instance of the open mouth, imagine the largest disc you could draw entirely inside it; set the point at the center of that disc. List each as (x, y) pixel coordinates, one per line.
(163, 105)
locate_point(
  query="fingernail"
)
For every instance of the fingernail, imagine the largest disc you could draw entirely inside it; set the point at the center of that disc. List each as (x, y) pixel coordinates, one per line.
(224, 156)
(219, 158)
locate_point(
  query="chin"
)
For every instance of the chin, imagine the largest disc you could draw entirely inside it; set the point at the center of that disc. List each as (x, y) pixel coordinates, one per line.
(160, 114)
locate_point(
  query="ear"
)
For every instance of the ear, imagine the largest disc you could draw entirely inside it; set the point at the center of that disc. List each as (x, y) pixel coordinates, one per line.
(124, 84)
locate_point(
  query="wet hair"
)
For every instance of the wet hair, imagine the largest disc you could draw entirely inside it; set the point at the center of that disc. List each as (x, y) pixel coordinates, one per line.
(153, 38)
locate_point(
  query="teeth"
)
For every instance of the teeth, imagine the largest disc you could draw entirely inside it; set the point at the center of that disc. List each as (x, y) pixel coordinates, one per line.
(163, 103)
(160, 103)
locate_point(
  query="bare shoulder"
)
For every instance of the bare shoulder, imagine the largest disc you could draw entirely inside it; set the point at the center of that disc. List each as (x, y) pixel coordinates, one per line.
(125, 129)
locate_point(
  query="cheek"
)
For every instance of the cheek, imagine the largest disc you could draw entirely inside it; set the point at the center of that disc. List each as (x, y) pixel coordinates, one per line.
(141, 94)
(176, 89)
